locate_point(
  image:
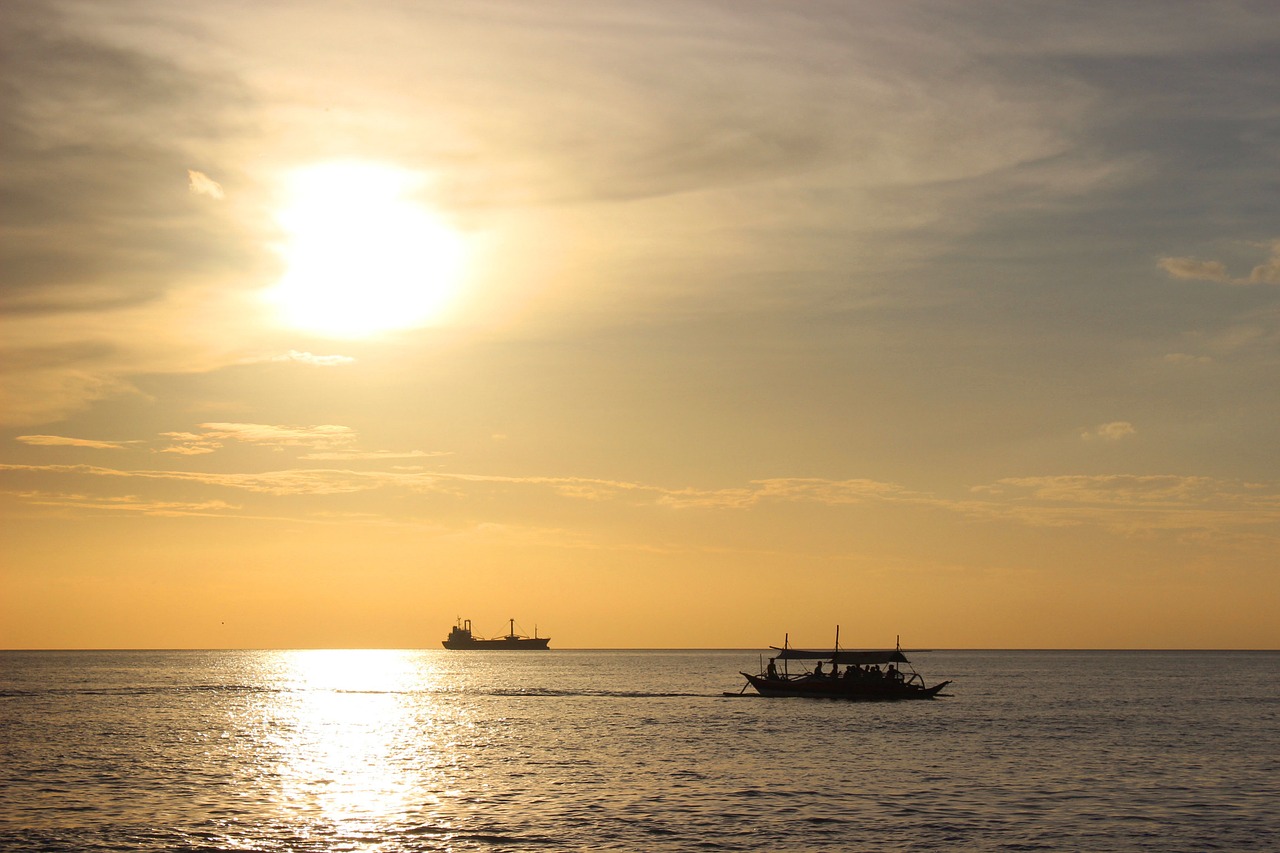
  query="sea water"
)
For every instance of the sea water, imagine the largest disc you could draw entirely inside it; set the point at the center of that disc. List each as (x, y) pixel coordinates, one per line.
(631, 750)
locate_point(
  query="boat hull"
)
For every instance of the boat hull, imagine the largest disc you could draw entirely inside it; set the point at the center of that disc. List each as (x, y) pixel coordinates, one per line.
(849, 690)
(501, 644)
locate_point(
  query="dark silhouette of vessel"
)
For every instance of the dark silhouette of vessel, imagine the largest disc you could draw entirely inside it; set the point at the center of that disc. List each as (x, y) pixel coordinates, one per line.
(862, 679)
(462, 638)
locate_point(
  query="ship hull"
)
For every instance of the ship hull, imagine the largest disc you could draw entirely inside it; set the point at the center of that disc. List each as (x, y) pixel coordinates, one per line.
(501, 644)
(838, 688)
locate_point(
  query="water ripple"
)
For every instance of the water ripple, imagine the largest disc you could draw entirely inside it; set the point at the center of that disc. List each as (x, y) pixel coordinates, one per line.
(418, 752)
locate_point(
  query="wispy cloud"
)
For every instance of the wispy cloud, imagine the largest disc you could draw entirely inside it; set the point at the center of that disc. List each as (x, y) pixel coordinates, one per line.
(789, 490)
(64, 441)
(373, 454)
(215, 435)
(1138, 505)
(1194, 268)
(1204, 508)
(279, 483)
(201, 184)
(190, 444)
(326, 442)
(311, 358)
(101, 249)
(1113, 431)
(1269, 272)
(131, 504)
(1130, 490)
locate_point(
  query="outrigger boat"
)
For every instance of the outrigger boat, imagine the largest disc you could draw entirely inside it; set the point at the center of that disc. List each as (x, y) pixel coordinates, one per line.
(861, 680)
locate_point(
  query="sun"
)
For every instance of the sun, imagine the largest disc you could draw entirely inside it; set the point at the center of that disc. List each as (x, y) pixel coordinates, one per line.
(363, 255)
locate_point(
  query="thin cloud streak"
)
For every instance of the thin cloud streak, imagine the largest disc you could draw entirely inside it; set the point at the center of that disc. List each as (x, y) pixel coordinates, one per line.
(309, 358)
(214, 436)
(64, 441)
(373, 454)
(1123, 503)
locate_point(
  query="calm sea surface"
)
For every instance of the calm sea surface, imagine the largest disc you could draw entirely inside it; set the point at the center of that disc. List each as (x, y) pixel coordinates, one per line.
(615, 750)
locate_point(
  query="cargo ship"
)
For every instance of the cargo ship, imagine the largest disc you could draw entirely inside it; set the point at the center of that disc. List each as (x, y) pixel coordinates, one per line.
(462, 638)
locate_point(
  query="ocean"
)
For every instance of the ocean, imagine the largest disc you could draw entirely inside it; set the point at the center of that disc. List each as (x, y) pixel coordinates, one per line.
(429, 750)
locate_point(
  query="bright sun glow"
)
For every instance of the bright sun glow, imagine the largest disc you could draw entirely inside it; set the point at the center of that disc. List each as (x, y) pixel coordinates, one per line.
(363, 255)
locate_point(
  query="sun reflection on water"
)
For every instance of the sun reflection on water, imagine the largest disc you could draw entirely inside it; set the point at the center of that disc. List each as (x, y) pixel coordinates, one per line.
(354, 757)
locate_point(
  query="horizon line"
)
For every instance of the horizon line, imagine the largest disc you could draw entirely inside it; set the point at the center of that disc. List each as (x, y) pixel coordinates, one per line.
(763, 649)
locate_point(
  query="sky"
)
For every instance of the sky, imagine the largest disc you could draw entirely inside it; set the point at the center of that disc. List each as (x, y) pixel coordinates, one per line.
(648, 325)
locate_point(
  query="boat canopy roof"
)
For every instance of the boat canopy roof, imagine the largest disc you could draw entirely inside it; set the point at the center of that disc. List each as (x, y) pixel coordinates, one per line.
(845, 656)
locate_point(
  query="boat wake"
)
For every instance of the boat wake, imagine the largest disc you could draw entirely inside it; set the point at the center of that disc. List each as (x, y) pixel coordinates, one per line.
(513, 692)
(545, 692)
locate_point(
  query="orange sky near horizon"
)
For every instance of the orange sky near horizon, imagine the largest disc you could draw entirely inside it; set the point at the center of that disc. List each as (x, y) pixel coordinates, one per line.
(651, 325)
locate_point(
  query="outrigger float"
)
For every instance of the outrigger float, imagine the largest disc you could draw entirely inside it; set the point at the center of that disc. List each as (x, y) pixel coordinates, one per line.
(862, 680)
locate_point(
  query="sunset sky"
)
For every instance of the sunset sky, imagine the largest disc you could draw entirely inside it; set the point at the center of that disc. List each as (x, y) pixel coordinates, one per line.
(647, 324)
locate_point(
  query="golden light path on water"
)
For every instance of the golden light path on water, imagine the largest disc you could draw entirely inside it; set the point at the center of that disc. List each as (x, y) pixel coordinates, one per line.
(361, 745)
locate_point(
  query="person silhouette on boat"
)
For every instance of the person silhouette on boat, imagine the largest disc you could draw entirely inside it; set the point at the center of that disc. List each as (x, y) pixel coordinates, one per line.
(771, 671)
(817, 671)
